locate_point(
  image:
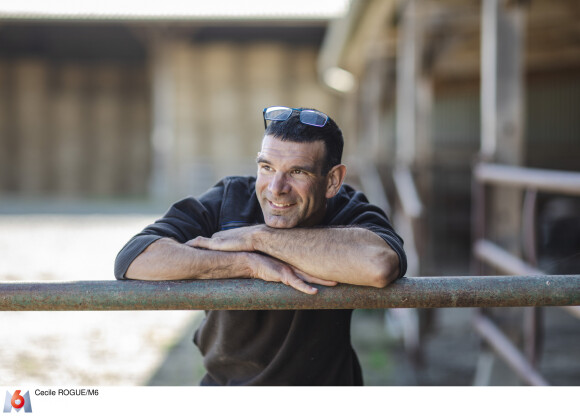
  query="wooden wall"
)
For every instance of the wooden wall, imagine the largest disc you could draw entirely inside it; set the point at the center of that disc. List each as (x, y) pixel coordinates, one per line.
(73, 129)
(220, 91)
(77, 124)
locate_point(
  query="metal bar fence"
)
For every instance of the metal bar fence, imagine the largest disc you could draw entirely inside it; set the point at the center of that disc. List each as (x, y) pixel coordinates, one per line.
(248, 294)
(532, 181)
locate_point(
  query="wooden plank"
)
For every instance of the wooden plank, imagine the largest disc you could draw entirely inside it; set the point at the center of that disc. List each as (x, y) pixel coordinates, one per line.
(502, 138)
(267, 77)
(266, 67)
(303, 87)
(193, 123)
(162, 182)
(504, 348)
(220, 66)
(107, 117)
(567, 183)
(7, 142)
(31, 125)
(489, 78)
(407, 72)
(136, 146)
(69, 130)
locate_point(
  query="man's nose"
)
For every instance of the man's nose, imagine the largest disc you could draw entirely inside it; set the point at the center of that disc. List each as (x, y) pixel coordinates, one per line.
(279, 184)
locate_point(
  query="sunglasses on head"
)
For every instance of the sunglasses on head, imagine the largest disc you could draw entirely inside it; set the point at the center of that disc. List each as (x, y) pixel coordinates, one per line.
(311, 117)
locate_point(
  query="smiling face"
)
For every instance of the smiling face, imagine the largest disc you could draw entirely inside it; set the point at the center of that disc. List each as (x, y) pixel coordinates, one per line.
(290, 186)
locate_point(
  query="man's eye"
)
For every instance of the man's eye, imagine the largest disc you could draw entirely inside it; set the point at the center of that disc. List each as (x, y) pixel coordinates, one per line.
(297, 171)
(265, 168)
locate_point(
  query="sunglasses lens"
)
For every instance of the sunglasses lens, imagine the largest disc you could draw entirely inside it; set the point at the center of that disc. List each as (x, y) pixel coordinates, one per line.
(277, 113)
(313, 118)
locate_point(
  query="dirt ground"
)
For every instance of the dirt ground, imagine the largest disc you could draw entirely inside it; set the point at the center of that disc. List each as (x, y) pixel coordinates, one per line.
(77, 348)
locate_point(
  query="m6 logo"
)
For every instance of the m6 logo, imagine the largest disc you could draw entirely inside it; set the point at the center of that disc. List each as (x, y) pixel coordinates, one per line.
(17, 402)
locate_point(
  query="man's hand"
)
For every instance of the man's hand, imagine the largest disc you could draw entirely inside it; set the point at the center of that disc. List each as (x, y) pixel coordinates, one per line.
(272, 270)
(236, 239)
(166, 259)
(352, 255)
(262, 266)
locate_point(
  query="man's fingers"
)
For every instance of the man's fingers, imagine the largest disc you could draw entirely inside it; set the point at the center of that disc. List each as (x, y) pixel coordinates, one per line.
(223, 241)
(211, 244)
(316, 280)
(199, 242)
(312, 279)
(299, 284)
(273, 270)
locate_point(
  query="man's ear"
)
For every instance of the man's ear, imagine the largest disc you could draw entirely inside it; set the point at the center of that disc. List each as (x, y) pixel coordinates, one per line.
(334, 180)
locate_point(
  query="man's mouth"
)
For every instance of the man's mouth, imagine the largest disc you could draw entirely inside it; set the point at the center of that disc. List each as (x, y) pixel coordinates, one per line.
(279, 205)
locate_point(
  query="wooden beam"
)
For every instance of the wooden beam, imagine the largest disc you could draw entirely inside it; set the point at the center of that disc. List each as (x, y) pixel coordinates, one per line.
(502, 111)
(162, 129)
(407, 70)
(67, 114)
(31, 111)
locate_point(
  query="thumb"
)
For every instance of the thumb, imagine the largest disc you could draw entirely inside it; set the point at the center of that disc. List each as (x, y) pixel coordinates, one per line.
(199, 242)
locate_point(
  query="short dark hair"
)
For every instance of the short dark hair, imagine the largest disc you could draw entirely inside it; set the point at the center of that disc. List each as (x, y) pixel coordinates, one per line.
(293, 130)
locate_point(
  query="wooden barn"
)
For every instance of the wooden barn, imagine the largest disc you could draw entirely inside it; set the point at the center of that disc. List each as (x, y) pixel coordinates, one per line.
(461, 117)
(469, 111)
(442, 84)
(153, 104)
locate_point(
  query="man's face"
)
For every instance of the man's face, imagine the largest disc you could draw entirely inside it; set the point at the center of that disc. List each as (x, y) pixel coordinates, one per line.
(290, 187)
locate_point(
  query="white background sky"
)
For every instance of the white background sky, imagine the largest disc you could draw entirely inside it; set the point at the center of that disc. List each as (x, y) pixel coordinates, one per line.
(199, 8)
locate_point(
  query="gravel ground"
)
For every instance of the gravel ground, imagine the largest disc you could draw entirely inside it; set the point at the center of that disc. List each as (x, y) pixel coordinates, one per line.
(77, 348)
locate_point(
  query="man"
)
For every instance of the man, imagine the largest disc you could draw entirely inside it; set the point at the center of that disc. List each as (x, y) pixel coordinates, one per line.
(294, 223)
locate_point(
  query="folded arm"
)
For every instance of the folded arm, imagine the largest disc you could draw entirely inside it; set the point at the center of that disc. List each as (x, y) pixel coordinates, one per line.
(343, 254)
(166, 259)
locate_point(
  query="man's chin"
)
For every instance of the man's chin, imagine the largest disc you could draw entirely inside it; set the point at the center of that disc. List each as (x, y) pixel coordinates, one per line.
(279, 222)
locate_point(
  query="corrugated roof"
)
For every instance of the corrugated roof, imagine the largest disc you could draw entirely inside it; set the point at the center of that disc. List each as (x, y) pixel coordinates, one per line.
(173, 10)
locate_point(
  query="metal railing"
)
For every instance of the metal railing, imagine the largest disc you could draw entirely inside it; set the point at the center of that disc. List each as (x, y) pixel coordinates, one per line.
(531, 181)
(248, 294)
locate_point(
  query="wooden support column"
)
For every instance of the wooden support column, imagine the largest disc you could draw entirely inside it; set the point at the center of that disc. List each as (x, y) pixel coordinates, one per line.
(136, 167)
(194, 171)
(301, 86)
(67, 113)
(31, 121)
(223, 101)
(412, 127)
(502, 106)
(502, 138)
(162, 129)
(407, 69)
(107, 116)
(7, 141)
(370, 114)
(414, 103)
(414, 91)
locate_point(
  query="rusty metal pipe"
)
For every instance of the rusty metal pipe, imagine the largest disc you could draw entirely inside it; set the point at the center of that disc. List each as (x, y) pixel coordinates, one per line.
(243, 294)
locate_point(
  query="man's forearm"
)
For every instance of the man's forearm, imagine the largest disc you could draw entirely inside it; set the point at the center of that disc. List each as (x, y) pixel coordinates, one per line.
(346, 254)
(166, 259)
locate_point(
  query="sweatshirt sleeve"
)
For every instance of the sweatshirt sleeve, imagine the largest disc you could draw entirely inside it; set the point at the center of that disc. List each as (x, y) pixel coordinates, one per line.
(185, 220)
(355, 210)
